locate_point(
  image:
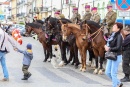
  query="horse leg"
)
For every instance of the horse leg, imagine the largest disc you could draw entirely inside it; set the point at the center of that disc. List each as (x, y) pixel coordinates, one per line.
(84, 59)
(50, 52)
(45, 51)
(63, 54)
(80, 50)
(71, 55)
(101, 53)
(76, 55)
(45, 54)
(96, 60)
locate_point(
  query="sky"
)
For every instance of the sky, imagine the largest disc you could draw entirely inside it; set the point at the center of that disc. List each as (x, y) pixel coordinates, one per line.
(3, 0)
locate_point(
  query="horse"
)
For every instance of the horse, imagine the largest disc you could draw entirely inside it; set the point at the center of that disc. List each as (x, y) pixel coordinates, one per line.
(53, 25)
(97, 43)
(82, 44)
(37, 28)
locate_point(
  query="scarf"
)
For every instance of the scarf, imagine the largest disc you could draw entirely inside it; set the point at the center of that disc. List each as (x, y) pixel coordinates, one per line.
(110, 38)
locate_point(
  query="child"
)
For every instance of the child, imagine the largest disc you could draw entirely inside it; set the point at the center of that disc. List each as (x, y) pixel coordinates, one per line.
(28, 56)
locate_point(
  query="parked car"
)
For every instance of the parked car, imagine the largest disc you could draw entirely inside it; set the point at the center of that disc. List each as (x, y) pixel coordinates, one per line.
(21, 28)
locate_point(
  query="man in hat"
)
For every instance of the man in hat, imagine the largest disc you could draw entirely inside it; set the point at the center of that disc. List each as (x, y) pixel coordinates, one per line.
(57, 15)
(88, 14)
(61, 15)
(76, 16)
(35, 19)
(110, 18)
(126, 55)
(95, 16)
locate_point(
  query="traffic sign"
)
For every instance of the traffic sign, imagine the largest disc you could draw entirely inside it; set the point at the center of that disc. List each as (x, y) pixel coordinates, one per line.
(124, 14)
(123, 4)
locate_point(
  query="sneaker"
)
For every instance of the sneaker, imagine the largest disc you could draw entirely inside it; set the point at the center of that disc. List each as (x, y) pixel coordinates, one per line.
(5, 79)
(121, 85)
(24, 78)
(29, 74)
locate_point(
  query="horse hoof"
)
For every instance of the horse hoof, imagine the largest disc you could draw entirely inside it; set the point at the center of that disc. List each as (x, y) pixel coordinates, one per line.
(83, 70)
(76, 67)
(45, 60)
(80, 69)
(72, 63)
(100, 72)
(61, 63)
(95, 71)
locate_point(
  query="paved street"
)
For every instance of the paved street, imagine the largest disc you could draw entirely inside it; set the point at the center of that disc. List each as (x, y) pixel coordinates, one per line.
(44, 75)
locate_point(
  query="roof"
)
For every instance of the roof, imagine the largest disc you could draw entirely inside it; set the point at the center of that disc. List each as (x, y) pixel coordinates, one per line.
(5, 3)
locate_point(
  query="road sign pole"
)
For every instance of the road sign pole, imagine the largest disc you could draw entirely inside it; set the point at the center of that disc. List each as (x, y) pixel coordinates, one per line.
(123, 22)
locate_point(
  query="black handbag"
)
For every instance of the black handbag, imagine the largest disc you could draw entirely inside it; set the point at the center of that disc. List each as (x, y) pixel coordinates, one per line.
(111, 55)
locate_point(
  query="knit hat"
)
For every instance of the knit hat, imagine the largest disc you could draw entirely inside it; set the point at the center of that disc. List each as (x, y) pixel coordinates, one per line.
(87, 6)
(94, 8)
(29, 46)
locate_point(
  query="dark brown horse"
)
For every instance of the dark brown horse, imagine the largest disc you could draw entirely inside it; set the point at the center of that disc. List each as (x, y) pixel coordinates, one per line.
(54, 27)
(82, 45)
(97, 43)
(37, 28)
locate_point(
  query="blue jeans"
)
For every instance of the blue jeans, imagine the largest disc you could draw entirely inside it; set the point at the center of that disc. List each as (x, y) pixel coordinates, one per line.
(3, 64)
(112, 70)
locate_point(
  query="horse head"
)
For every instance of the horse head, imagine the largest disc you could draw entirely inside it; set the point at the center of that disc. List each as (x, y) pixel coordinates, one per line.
(66, 31)
(85, 29)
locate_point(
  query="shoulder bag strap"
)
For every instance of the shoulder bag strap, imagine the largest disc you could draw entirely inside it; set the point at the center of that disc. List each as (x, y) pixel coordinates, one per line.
(3, 40)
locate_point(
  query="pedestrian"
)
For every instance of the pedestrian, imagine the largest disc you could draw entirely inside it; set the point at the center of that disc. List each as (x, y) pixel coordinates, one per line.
(28, 56)
(114, 44)
(4, 49)
(126, 55)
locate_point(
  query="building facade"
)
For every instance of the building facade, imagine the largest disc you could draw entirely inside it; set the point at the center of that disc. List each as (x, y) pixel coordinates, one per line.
(26, 10)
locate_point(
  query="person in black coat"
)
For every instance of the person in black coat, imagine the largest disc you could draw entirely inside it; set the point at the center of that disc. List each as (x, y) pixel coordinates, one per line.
(126, 55)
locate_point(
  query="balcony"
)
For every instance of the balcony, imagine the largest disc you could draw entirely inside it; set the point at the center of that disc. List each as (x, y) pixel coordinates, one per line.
(43, 9)
(20, 15)
(21, 3)
(37, 10)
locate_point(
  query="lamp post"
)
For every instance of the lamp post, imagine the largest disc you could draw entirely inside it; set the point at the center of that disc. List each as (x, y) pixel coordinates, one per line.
(61, 7)
(93, 3)
(51, 7)
(69, 8)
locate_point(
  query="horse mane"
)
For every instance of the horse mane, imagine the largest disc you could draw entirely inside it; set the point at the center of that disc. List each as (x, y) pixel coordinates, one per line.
(73, 25)
(34, 25)
(64, 19)
(93, 23)
(40, 21)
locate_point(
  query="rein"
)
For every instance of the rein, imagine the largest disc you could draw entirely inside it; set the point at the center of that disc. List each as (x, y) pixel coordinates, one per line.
(98, 32)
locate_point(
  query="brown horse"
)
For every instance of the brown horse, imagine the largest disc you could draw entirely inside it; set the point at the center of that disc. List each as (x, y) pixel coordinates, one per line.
(37, 28)
(97, 43)
(82, 45)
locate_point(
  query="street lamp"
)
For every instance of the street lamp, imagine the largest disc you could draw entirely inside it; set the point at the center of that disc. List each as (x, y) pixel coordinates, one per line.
(93, 3)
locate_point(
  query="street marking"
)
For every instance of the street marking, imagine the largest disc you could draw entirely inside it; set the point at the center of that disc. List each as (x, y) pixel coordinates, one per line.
(79, 76)
(50, 75)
